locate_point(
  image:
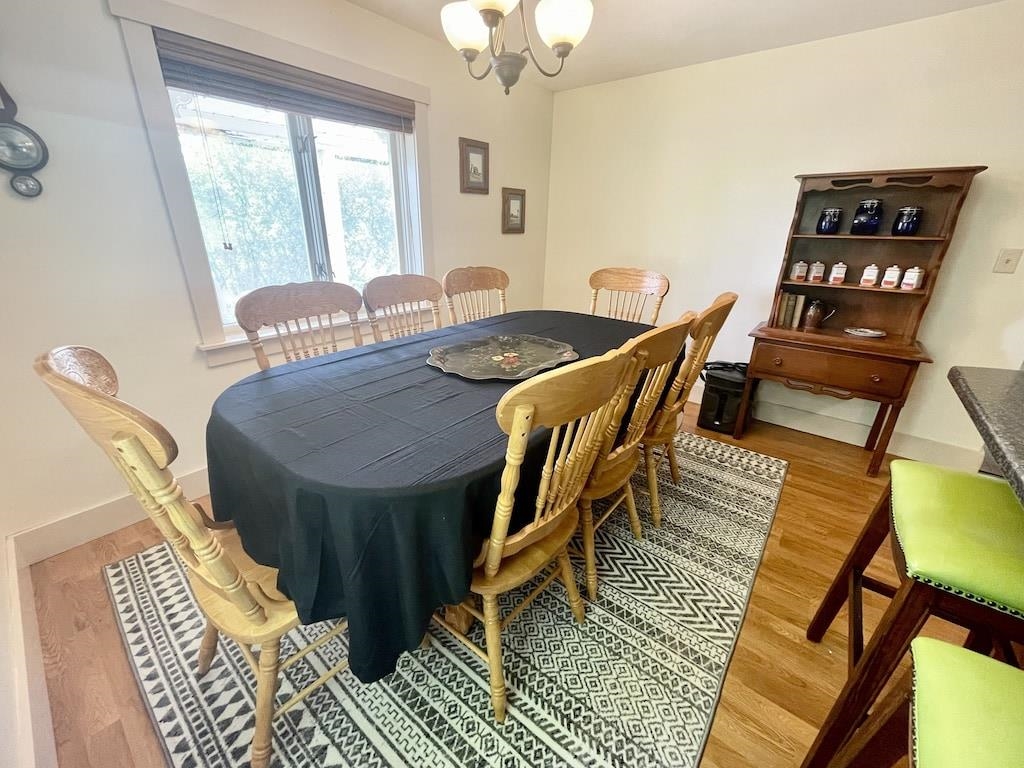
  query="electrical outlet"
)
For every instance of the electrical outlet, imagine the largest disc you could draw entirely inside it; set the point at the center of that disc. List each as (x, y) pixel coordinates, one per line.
(1008, 260)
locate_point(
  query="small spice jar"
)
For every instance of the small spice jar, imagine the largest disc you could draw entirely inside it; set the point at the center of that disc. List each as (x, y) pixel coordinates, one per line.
(817, 272)
(891, 278)
(913, 279)
(869, 278)
(798, 272)
(838, 274)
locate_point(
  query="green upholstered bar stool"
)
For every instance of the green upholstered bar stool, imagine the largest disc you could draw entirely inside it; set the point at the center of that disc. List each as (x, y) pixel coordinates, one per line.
(959, 544)
(964, 709)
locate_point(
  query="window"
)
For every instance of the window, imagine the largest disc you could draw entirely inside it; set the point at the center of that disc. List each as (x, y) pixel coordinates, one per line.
(294, 176)
(246, 165)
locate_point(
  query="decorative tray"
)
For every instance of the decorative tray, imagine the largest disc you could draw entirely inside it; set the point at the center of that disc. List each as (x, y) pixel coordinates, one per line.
(517, 356)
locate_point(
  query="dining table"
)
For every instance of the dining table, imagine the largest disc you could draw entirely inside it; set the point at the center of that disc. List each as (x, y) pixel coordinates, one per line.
(368, 478)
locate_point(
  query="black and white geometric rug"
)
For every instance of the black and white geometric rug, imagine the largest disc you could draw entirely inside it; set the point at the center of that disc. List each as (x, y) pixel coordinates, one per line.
(635, 685)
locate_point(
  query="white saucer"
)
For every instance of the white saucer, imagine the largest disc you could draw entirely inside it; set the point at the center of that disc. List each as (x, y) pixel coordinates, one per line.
(868, 333)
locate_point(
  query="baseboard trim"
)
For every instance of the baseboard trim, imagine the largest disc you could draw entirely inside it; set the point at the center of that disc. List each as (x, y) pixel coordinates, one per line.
(855, 433)
(32, 721)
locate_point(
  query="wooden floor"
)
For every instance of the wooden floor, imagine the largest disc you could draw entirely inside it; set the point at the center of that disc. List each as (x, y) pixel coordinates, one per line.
(778, 689)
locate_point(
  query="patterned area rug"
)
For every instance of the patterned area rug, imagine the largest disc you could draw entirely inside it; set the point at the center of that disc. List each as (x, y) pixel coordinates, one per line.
(635, 685)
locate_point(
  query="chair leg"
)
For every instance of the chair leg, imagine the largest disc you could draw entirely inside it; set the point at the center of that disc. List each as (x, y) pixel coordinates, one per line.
(901, 622)
(868, 541)
(883, 738)
(652, 484)
(634, 518)
(207, 648)
(492, 633)
(569, 579)
(589, 555)
(673, 462)
(266, 688)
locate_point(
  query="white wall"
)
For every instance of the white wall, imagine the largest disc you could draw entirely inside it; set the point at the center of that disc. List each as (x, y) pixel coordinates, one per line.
(92, 261)
(690, 172)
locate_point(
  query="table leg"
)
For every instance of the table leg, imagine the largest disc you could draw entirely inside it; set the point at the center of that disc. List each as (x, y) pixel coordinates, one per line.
(876, 427)
(741, 415)
(458, 617)
(883, 439)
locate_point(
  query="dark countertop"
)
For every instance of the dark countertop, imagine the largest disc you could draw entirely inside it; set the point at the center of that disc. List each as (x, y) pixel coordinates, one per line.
(994, 399)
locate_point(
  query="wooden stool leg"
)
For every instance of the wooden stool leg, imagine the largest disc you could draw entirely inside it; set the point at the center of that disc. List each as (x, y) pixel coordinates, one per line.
(634, 518)
(266, 687)
(673, 462)
(569, 579)
(871, 536)
(589, 555)
(492, 633)
(652, 484)
(883, 739)
(902, 621)
(207, 648)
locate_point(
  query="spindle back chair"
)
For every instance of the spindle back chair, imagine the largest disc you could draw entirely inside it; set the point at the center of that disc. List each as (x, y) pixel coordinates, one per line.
(471, 288)
(238, 596)
(628, 291)
(302, 315)
(400, 301)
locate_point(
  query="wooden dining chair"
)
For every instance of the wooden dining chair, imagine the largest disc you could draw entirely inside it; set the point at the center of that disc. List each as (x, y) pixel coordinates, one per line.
(400, 299)
(628, 291)
(472, 287)
(238, 596)
(577, 403)
(302, 315)
(654, 355)
(664, 424)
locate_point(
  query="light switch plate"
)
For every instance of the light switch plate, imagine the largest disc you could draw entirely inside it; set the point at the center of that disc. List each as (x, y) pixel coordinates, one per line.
(1008, 260)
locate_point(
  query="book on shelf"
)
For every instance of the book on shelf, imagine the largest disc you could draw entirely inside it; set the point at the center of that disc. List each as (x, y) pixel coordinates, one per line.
(798, 311)
(785, 310)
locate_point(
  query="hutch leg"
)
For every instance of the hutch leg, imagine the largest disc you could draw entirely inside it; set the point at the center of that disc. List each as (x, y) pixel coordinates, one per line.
(876, 427)
(883, 439)
(741, 416)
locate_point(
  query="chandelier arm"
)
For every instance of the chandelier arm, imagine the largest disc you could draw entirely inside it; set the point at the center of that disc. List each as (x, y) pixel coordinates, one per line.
(482, 75)
(529, 47)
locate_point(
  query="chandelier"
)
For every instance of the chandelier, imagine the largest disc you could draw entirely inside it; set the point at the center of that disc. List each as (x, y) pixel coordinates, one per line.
(473, 26)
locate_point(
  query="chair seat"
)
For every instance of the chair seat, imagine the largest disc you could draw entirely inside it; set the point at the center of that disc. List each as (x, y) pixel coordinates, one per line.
(968, 708)
(960, 531)
(524, 565)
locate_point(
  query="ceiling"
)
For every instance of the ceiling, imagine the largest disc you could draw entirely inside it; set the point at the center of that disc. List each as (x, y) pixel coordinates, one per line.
(635, 37)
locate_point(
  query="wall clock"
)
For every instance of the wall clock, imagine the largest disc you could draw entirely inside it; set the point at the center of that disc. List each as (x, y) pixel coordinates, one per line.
(22, 150)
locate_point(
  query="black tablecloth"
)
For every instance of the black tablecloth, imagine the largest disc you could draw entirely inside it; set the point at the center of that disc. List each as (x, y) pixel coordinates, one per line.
(369, 477)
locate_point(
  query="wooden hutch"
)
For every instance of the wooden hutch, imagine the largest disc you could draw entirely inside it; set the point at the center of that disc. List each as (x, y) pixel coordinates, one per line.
(827, 360)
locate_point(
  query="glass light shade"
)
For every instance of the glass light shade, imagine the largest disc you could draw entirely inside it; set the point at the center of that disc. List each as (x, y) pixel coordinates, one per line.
(504, 7)
(563, 21)
(463, 27)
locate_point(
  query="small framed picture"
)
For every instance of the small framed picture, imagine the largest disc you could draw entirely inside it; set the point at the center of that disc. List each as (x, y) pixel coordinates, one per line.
(513, 211)
(474, 166)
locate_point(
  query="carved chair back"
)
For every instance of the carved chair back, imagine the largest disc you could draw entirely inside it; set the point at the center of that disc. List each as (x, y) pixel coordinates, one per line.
(628, 292)
(141, 450)
(703, 332)
(577, 403)
(400, 300)
(471, 288)
(302, 315)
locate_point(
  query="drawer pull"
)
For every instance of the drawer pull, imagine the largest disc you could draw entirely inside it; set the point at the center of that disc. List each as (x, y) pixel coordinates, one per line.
(777, 361)
(875, 378)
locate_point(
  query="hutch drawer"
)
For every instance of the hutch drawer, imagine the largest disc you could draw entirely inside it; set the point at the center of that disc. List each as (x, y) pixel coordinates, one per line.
(834, 370)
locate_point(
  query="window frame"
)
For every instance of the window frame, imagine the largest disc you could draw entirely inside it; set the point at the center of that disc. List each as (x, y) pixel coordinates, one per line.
(224, 344)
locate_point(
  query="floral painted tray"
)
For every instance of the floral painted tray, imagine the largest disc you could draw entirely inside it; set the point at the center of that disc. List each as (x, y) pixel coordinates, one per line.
(518, 356)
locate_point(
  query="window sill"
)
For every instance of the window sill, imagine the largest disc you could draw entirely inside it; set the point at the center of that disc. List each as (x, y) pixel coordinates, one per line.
(235, 348)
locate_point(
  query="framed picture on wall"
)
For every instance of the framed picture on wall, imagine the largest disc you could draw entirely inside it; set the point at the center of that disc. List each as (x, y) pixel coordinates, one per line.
(474, 166)
(513, 211)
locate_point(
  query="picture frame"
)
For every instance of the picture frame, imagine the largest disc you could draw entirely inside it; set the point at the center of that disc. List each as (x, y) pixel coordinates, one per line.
(474, 166)
(513, 211)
